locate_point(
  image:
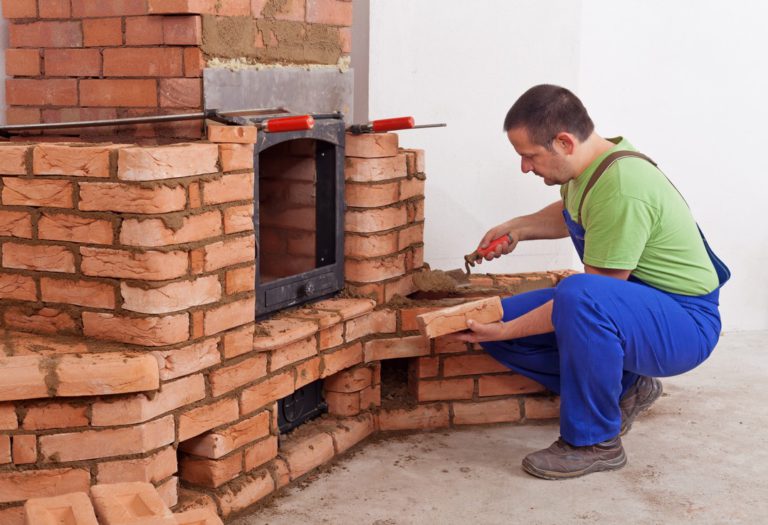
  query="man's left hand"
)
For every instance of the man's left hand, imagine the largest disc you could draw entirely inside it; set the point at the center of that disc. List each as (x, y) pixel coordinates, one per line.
(480, 332)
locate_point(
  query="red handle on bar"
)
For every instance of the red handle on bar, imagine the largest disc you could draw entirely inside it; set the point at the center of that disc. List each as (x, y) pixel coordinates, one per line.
(278, 125)
(504, 239)
(391, 124)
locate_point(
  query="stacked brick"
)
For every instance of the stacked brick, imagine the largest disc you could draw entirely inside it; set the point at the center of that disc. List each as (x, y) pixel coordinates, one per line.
(385, 216)
(85, 60)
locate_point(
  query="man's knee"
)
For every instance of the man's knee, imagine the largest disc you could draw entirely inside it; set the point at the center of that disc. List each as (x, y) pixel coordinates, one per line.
(574, 289)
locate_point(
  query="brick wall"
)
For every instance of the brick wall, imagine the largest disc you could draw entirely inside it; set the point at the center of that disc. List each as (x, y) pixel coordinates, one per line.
(85, 59)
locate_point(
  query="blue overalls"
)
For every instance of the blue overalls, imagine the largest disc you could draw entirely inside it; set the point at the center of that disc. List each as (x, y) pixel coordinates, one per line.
(607, 333)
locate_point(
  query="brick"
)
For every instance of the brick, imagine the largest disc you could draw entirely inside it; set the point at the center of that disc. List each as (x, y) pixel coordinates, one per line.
(341, 359)
(19, 9)
(237, 342)
(330, 337)
(374, 270)
(445, 346)
(323, 318)
(377, 322)
(13, 515)
(375, 169)
(105, 373)
(250, 489)
(542, 407)
(470, 365)
(198, 517)
(331, 12)
(198, 420)
(22, 115)
(241, 280)
(233, 8)
(26, 192)
(145, 331)
(230, 315)
(181, 93)
(72, 62)
(364, 246)
(418, 418)
(305, 454)
(38, 257)
(371, 195)
(502, 410)
(118, 93)
(55, 415)
(78, 161)
(181, 7)
(410, 188)
(8, 419)
(370, 398)
(42, 320)
(395, 348)
(347, 308)
(211, 473)
(169, 491)
(508, 384)
(172, 297)
(229, 188)
(423, 367)
(234, 376)
(143, 62)
(74, 228)
(194, 62)
(408, 316)
(415, 160)
(166, 162)
(343, 405)
(23, 485)
(348, 381)
(16, 224)
(144, 31)
(275, 333)
(74, 508)
(260, 453)
(13, 159)
(182, 30)
(410, 236)
(219, 443)
(18, 287)
(444, 390)
(92, 444)
(232, 134)
(24, 449)
(228, 253)
(289, 354)
(375, 220)
(5, 449)
(131, 502)
(156, 232)
(454, 318)
(147, 266)
(236, 157)
(22, 62)
(140, 408)
(103, 32)
(307, 372)
(268, 391)
(371, 145)
(54, 8)
(150, 469)
(187, 360)
(128, 198)
(45, 34)
(349, 432)
(90, 9)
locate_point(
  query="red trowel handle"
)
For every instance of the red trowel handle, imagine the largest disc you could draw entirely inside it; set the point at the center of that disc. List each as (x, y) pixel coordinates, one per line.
(392, 124)
(504, 239)
(283, 124)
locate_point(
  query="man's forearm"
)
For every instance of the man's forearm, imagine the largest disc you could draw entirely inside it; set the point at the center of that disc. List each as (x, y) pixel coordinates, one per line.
(537, 321)
(547, 223)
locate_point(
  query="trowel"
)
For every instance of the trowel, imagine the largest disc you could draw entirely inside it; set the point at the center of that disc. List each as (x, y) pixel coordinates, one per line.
(471, 258)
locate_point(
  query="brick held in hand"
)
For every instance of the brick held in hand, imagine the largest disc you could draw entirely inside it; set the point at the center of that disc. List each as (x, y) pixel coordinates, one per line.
(454, 319)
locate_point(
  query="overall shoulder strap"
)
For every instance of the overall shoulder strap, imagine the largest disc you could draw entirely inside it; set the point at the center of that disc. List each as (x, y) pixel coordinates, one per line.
(604, 165)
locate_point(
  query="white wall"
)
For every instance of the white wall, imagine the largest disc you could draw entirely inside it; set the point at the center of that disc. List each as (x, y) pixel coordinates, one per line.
(685, 81)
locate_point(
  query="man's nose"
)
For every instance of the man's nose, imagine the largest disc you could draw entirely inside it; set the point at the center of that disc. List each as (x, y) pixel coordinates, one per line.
(525, 166)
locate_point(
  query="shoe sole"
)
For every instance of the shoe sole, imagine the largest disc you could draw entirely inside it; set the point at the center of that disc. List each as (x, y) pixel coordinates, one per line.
(643, 408)
(598, 466)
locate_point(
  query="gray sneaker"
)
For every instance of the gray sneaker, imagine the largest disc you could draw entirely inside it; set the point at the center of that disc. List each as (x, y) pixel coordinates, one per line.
(562, 460)
(638, 398)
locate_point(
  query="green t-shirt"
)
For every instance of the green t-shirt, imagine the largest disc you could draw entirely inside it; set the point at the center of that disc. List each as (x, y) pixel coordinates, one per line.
(636, 220)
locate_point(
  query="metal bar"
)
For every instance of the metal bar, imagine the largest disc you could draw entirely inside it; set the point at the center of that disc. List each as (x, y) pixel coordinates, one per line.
(429, 126)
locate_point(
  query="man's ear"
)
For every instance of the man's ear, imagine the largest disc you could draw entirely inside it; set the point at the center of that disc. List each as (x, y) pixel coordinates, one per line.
(565, 143)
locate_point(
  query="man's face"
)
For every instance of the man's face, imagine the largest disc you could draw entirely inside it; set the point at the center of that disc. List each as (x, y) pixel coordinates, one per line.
(550, 164)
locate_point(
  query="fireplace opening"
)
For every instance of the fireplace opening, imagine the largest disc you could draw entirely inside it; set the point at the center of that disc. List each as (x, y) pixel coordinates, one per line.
(299, 206)
(396, 391)
(303, 405)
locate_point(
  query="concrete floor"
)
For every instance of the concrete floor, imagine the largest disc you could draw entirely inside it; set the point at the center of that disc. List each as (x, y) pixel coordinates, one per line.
(700, 455)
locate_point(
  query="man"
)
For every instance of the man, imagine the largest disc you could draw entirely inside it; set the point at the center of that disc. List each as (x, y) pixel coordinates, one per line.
(646, 305)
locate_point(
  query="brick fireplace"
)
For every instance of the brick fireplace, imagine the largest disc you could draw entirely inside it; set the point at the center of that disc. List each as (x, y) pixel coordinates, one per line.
(131, 349)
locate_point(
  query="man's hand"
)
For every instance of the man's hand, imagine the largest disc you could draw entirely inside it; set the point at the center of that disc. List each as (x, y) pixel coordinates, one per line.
(504, 248)
(480, 332)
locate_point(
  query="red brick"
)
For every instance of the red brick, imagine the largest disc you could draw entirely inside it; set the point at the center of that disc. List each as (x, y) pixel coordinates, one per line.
(378, 322)
(445, 346)
(232, 134)
(331, 12)
(370, 398)
(375, 169)
(198, 420)
(237, 342)
(508, 384)
(72, 62)
(268, 391)
(364, 246)
(395, 348)
(139, 408)
(182, 7)
(330, 337)
(117, 93)
(129, 198)
(349, 432)
(289, 354)
(305, 454)
(410, 236)
(424, 367)
(410, 188)
(371, 145)
(198, 516)
(156, 232)
(188, 359)
(8, 419)
(444, 390)
(16, 224)
(130, 502)
(374, 270)
(92, 444)
(151, 469)
(21, 115)
(347, 308)
(371, 195)
(341, 404)
(172, 297)
(230, 315)
(341, 359)
(24, 449)
(227, 253)
(22, 62)
(167, 162)
(211, 473)
(144, 31)
(182, 30)
(542, 407)
(146, 331)
(74, 228)
(43, 320)
(19, 287)
(471, 364)
(229, 188)
(455, 318)
(19, 9)
(416, 211)
(38, 257)
(194, 62)
(375, 220)
(103, 32)
(105, 373)
(64, 159)
(234, 376)
(415, 160)
(89, 9)
(13, 159)
(29, 92)
(54, 415)
(52, 511)
(418, 418)
(307, 372)
(181, 93)
(54, 8)
(143, 62)
(261, 452)
(221, 442)
(502, 410)
(26, 192)
(5, 449)
(241, 280)
(276, 333)
(147, 266)
(20, 486)
(79, 292)
(236, 156)
(46, 34)
(249, 490)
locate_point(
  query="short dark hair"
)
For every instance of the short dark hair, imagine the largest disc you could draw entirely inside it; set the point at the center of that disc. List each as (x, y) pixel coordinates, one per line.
(546, 110)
